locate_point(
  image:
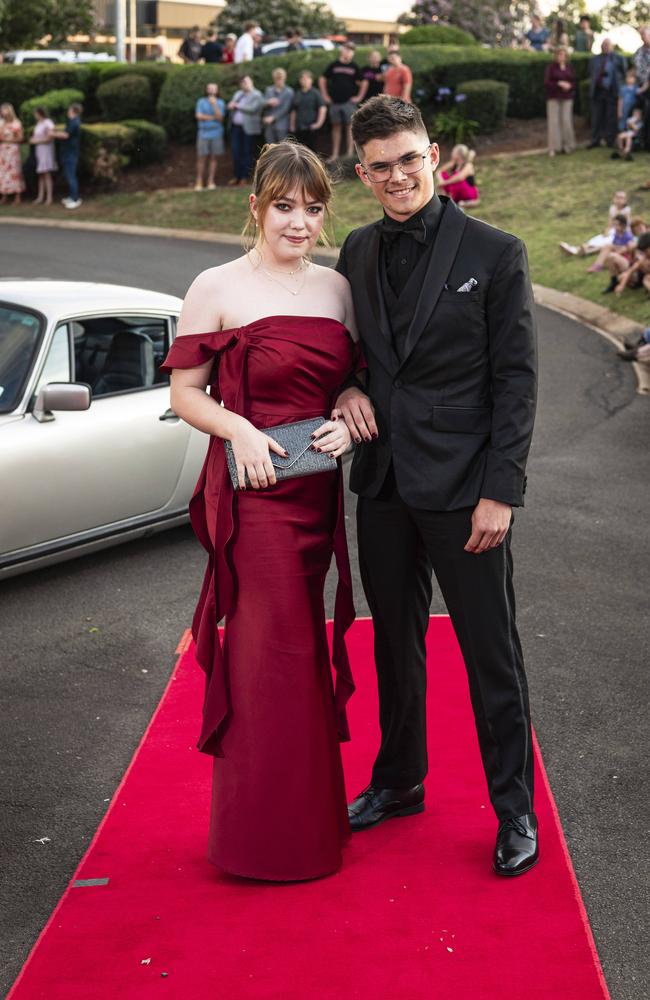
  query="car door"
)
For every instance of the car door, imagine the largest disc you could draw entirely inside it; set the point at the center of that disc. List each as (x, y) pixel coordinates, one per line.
(118, 460)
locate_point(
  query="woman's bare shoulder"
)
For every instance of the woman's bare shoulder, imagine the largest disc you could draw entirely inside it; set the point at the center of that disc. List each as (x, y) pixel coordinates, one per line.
(207, 298)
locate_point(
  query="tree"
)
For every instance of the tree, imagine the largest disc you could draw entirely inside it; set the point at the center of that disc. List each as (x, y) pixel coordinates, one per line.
(496, 23)
(23, 23)
(275, 16)
(635, 13)
(568, 13)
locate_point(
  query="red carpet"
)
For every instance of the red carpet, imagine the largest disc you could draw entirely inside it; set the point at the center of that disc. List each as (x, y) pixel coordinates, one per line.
(415, 913)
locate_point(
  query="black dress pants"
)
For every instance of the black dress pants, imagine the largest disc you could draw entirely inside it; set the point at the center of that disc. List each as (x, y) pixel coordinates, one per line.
(399, 546)
(604, 116)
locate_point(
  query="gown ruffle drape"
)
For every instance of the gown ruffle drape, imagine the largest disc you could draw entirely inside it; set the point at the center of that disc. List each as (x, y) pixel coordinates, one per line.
(271, 717)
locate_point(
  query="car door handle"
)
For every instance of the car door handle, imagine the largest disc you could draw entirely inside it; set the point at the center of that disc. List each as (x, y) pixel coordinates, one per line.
(169, 415)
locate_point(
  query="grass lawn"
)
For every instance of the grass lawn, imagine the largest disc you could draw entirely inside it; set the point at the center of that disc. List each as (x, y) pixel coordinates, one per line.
(540, 199)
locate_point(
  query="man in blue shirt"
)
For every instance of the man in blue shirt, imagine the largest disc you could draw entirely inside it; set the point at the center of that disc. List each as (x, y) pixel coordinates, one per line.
(69, 151)
(209, 113)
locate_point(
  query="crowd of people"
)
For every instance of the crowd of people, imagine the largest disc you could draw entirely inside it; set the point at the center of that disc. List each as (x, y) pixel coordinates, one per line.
(42, 159)
(254, 117)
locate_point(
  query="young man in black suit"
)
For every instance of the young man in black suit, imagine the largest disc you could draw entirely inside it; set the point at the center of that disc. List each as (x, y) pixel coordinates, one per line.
(445, 312)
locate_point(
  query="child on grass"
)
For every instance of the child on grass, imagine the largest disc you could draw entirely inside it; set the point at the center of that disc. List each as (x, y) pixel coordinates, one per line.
(623, 239)
(619, 206)
(630, 138)
(637, 273)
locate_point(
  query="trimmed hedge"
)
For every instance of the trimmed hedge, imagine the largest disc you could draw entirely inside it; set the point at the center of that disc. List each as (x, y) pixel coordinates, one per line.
(485, 102)
(127, 96)
(105, 149)
(437, 34)
(57, 103)
(149, 141)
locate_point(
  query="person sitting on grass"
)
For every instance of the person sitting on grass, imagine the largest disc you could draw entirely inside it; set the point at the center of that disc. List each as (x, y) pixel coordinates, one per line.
(637, 348)
(630, 138)
(619, 259)
(619, 206)
(622, 239)
(637, 274)
(456, 177)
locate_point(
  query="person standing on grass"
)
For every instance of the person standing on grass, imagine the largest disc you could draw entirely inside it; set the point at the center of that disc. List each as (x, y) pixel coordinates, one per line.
(606, 77)
(12, 181)
(373, 74)
(43, 141)
(278, 101)
(246, 129)
(398, 79)
(209, 114)
(560, 87)
(342, 87)
(446, 320)
(69, 153)
(309, 111)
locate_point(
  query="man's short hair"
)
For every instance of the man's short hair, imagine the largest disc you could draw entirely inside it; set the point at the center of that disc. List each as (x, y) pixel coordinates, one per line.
(621, 219)
(250, 25)
(76, 107)
(643, 242)
(383, 116)
(348, 45)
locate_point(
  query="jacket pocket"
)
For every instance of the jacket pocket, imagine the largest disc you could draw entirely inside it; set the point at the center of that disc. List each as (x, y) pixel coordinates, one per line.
(462, 419)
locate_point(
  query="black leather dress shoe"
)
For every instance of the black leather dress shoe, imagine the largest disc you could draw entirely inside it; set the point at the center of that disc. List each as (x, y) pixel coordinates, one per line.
(374, 805)
(516, 850)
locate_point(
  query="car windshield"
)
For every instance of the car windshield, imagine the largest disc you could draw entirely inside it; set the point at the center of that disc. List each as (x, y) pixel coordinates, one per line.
(19, 336)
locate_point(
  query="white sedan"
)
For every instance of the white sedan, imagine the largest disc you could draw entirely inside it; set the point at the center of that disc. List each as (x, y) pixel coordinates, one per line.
(90, 452)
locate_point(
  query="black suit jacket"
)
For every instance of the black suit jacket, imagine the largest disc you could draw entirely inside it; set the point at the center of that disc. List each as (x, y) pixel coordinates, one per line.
(595, 65)
(455, 416)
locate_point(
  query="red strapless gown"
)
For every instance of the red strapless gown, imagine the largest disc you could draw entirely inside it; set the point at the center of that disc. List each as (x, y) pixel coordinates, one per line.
(271, 715)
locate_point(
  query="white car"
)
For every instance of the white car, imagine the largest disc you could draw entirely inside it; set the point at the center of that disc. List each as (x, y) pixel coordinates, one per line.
(22, 56)
(90, 452)
(280, 47)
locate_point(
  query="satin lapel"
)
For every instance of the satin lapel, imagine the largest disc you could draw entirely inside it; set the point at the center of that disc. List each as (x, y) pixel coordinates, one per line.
(382, 341)
(448, 237)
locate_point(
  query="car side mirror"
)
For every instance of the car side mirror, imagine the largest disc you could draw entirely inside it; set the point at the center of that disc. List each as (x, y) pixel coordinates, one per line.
(61, 396)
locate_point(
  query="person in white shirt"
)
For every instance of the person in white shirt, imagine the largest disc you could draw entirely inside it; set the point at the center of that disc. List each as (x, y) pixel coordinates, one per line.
(245, 45)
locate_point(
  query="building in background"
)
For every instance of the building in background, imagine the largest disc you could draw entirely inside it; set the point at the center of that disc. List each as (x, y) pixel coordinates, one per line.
(165, 22)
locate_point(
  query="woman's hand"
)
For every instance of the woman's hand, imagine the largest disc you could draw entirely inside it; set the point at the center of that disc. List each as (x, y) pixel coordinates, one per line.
(333, 438)
(252, 450)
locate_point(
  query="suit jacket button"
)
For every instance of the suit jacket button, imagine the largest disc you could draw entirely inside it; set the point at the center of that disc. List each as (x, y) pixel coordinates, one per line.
(398, 383)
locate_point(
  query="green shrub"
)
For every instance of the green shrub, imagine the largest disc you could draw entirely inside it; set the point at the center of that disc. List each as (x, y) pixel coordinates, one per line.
(149, 141)
(156, 74)
(106, 149)
(57, 103)
(485, 103)
(127, 96)
(19, 83)
(437, 34)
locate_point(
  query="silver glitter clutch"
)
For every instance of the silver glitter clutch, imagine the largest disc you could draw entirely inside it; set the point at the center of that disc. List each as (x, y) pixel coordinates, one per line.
(296, 439)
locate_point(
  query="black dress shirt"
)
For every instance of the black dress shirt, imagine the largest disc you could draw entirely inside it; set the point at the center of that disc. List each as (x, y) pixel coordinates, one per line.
(402, 249)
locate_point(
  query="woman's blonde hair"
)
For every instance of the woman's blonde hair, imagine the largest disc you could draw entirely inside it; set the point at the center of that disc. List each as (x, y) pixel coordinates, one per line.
(464, 152)
(283, 167)
(6, 104)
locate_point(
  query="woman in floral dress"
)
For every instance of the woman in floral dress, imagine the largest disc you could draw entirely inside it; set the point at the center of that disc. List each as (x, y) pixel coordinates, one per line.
(11, 174)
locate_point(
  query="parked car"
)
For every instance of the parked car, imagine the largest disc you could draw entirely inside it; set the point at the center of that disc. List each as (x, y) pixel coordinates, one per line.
(22, 56)
(280, 47)
(90, 452)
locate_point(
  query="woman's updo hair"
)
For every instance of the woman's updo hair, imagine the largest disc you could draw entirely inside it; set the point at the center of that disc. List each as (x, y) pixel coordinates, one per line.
(284, 167)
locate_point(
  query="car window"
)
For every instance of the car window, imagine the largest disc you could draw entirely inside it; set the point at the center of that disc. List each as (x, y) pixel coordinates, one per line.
(20, 333)
(57, 363)
(120, 353)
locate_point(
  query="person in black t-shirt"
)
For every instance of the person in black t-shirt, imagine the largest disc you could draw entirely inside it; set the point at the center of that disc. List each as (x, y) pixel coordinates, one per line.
(212, 50)
(309, 111)
(68, 153)
(342, 88)
(191, 48)
(374, 74)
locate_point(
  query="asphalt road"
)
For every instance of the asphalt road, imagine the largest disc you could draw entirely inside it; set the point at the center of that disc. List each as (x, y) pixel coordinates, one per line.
(87, 647)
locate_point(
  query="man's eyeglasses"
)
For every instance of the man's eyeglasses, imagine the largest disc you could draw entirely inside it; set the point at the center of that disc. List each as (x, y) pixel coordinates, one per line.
(409, 164)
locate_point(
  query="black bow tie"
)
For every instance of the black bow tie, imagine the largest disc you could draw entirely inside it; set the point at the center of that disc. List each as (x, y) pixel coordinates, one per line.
(391, 230)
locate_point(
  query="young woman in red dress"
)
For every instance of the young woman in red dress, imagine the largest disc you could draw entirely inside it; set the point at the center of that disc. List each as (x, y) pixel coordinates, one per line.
(274, 336)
